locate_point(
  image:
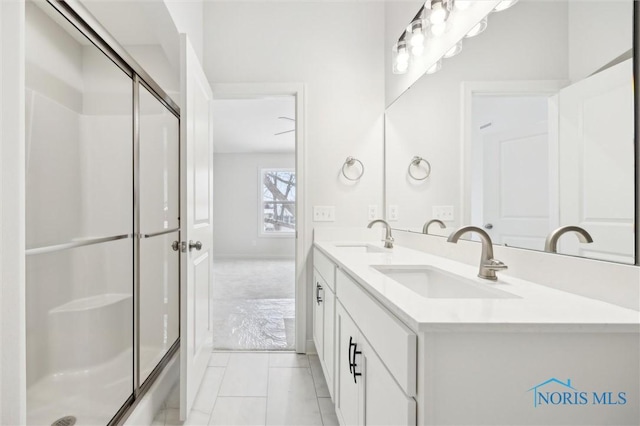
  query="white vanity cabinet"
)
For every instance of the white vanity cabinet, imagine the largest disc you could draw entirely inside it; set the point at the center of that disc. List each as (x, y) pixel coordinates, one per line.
(366, 393)
(375, 356)
(324, 314)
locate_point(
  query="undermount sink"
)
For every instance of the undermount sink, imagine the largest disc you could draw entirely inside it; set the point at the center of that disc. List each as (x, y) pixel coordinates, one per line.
(362, 248)
(438, 284)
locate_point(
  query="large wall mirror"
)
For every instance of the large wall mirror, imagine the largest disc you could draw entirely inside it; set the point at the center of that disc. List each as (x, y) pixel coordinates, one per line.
(528, 129)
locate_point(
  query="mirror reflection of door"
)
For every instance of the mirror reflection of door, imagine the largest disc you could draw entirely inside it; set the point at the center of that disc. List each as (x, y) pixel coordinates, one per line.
(596, 163)
(511, 185)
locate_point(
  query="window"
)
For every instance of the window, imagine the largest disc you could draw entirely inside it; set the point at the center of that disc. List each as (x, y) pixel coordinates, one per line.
(278, 202)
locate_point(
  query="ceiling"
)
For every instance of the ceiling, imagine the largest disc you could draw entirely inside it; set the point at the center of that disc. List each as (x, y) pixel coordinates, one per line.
(250, 125)
(137, 22)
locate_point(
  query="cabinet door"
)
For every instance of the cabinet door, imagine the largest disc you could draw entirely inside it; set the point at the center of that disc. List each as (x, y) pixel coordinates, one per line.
(318, 313)
(328, 339)
(347, 404)
(383, 401)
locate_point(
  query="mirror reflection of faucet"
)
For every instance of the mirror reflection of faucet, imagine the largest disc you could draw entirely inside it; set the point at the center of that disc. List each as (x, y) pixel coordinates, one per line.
(488, 265)
(388, 239)
(425, 228)
(551, 243)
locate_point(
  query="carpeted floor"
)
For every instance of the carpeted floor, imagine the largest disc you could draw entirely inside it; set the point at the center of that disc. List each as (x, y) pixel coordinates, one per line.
(254, 304)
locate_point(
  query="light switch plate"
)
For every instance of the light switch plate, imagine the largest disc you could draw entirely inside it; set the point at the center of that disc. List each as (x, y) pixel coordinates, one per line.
(393, 213)
(324, 213)
(444, 213)
(372, 212)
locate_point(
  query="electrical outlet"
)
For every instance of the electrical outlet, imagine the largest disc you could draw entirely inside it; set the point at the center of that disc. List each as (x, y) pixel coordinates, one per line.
(324, 213)
(393, 213)
(373, 212)
(444, 213)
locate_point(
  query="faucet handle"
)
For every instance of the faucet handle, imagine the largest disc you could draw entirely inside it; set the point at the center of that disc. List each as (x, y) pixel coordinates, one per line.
(495, 265)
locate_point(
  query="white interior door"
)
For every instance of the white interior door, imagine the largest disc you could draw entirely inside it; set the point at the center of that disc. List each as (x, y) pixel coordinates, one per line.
(516, 186)
(596, 163)
(196, 205)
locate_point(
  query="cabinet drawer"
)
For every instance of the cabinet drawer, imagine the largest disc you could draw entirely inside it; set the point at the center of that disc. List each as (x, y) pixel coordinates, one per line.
(393, 341)
(325, 267)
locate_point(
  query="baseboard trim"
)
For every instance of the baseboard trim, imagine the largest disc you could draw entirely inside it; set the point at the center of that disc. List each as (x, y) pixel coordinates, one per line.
(311, 347)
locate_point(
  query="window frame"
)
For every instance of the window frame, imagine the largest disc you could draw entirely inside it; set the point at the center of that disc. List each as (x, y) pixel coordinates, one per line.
(261, 232)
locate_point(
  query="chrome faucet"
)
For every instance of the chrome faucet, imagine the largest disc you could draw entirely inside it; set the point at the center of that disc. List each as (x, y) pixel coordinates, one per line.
(388, 239)
(425, 228)
(551, 243)
(488, 265)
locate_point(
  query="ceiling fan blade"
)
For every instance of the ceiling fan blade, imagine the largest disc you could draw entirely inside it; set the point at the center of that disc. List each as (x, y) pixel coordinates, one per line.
(282, 133)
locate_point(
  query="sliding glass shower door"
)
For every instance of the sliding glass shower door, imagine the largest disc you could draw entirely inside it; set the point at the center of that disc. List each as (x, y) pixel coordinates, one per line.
(159, 223)
(102, 216)
(79, 202)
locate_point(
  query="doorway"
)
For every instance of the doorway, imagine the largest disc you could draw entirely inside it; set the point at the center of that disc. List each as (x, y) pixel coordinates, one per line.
(510, 166)
(255, 193)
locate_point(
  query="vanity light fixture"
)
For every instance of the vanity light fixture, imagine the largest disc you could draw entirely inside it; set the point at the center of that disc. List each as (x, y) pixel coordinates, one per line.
(504, 4)
(431, 22)
(416, 33)
(462, 4)
(454, 50)
(440, 10)
(438, 29)
(435, 67)
(400, 57)
(478, 28)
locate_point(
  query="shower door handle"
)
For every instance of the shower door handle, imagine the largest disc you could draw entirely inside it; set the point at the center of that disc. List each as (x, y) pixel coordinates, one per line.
(197, 245)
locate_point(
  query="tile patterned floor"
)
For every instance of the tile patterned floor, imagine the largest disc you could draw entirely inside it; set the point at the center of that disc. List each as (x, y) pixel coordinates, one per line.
(266, 388)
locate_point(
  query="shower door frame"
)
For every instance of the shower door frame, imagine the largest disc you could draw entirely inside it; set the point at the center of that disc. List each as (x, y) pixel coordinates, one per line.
(74, 12)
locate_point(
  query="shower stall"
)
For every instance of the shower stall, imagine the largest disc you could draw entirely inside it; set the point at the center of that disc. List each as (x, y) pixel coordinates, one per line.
(102, 199)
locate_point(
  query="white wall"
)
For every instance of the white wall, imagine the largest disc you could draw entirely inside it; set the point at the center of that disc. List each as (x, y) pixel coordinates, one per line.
(336, 50)
(426, 120)
(12, 308)
(236, 209)
(596, 36)
(187, 16)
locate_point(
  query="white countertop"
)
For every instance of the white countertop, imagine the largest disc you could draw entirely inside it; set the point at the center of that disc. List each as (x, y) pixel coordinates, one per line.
(535, 307)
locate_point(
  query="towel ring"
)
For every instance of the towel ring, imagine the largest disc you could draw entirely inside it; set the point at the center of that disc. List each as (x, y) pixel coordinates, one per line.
(349, 162)
(415, 161)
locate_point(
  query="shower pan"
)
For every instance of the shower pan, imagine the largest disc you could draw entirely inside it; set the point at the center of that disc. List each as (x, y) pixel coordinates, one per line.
(102, 201)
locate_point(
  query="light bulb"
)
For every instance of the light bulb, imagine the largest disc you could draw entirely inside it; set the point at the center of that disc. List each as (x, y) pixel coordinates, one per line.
(403, 56)
(417, 50)
(417, 35)
(462, 4)
(435, 67)
(454, 50)
(478, 28)
(438, 12)
(401, 67)
(505, 4)
(417, 39)
(438, 30)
